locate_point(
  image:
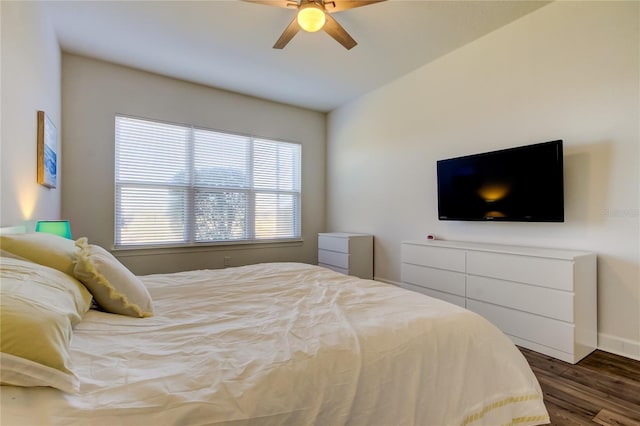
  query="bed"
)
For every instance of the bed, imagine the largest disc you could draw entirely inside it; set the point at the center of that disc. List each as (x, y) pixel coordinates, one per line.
(280, 344)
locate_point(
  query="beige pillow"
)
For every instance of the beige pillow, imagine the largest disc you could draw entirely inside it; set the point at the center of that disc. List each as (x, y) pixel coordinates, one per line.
(4, 253)
(113, 286)
(38, 308)
(46, 249)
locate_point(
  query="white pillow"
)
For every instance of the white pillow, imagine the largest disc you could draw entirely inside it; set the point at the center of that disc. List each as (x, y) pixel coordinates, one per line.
(19, 371)
(114, 288)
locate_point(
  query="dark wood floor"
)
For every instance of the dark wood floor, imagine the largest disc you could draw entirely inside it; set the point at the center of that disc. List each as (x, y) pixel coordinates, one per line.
(601, 389)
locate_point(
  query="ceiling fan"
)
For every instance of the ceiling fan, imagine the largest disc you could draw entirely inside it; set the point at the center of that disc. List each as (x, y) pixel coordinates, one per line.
(314, 15)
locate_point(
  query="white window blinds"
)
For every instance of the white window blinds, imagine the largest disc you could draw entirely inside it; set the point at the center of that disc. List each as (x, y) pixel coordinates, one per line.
(183, 185)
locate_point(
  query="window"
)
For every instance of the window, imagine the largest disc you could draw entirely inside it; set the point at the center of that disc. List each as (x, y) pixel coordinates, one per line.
(179, 184)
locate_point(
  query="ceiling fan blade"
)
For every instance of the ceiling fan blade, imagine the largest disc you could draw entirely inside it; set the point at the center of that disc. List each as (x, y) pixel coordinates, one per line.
(336, 31)
(338, 5)
(291, 30)
(276, 3)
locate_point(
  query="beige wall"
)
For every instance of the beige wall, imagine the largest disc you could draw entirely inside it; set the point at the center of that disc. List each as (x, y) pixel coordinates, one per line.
(570, 71)
(94, 91)
(30, 82)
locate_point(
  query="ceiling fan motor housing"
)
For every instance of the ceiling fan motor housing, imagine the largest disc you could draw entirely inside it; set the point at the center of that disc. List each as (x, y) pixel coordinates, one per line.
(319, 18)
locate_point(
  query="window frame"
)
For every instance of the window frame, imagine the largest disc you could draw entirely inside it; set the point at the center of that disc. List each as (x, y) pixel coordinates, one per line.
(191, 188)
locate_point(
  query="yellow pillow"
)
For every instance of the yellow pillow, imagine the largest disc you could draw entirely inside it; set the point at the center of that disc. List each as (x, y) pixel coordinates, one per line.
(38, 308)
(114, 287)
(46, 249)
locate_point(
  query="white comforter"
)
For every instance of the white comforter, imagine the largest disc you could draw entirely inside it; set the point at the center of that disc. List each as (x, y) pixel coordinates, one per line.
(286, 344)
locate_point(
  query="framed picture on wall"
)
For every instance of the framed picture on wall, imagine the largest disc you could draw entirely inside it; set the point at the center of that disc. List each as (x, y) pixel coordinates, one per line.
(47, 151)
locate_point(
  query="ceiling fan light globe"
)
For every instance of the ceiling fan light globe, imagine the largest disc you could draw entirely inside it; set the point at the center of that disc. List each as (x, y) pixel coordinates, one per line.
(311, 17)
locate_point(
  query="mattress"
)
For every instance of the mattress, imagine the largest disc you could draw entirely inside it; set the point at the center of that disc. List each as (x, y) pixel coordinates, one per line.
(286, 344)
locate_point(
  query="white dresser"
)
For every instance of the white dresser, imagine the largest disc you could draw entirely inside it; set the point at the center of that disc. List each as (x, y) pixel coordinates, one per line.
(348, 253)
(543, 299)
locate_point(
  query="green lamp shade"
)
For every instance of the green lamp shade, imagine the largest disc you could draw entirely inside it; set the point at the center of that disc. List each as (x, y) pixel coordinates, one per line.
(57, 227)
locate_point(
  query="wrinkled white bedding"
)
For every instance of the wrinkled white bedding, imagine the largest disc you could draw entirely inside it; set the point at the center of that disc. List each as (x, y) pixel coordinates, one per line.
(286, 344)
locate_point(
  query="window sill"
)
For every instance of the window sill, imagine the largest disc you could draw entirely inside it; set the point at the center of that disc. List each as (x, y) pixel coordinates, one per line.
(204, 247)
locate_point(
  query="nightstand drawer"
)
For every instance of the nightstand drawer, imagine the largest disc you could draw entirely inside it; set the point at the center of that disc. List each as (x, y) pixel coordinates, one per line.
(333, 244)
(341, 260)
(335, 268)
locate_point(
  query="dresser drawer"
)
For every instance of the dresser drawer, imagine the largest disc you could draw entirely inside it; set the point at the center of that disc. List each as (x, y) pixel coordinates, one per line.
(534, 328)
(341, 260)
(537, 300)
(435, 257)
(552, 273)
(436, 279)
(333, 244)
(447, 297)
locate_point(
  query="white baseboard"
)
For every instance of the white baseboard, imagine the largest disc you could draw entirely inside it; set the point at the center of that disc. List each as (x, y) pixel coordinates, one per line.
(619, 346)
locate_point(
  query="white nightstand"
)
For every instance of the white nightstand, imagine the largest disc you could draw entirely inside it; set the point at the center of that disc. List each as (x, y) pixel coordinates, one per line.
(347, 253)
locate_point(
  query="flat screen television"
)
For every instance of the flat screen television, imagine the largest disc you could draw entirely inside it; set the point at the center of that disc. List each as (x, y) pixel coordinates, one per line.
(522, 184)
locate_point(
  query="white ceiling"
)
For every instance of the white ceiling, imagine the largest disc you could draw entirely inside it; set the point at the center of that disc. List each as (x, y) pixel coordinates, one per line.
(228, 43)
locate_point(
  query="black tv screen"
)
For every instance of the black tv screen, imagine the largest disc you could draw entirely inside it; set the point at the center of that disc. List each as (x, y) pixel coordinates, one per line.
(522, 184)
